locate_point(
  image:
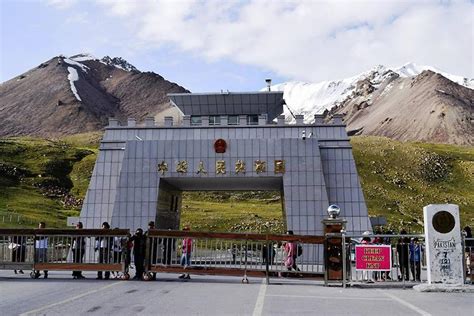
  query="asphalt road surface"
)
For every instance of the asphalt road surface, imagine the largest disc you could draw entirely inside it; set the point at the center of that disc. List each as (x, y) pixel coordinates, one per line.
(211, 295)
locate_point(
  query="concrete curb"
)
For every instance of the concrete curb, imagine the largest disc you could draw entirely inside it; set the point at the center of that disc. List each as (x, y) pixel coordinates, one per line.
(447, 288)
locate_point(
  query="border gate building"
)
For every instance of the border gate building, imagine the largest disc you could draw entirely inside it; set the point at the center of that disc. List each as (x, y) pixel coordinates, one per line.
(225, 141)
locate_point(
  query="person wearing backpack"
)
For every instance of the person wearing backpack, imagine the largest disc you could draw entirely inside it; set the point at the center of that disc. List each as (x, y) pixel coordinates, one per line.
(291, 250)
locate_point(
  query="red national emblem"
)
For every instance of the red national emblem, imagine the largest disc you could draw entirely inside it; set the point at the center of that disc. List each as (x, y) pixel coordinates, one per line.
(220, 146)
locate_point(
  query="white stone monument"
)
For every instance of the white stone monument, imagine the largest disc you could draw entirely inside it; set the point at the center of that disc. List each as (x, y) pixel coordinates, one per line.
(444, 251)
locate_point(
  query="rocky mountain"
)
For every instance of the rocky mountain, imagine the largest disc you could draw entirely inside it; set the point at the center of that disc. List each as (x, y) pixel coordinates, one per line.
(418, 103)
(69, 95)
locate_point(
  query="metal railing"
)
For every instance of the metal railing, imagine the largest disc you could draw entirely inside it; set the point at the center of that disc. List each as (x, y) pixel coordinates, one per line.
(408, 259)
(61, 249)
(263, 255)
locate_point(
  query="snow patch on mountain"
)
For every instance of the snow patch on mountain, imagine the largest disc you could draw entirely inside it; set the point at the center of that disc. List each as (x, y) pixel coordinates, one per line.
(75, 63)
(73, 76)
(83, 57)
(118, 62)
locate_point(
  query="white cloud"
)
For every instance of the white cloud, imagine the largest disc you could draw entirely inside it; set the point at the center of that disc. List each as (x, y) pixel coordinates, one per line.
(308, 40)
(61, 4)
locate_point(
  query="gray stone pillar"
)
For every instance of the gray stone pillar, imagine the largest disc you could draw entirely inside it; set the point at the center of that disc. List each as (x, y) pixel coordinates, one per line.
(444, 251)
(168, 121)
(205, 120)
(150, 121)
(113, 122)
(281, 120)
(262, 119)
(337, 119)
(187, 120)
(299, 119)
(318, 119)
(131, 122)
(242, 119)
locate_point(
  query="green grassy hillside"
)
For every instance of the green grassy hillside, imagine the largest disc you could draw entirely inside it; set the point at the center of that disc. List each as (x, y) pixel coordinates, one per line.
(398, 179)
(44, 180)
(47, 180)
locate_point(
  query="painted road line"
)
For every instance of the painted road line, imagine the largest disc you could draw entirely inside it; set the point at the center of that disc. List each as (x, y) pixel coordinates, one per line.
(258, 310)
(405, 303)
(332, 297)
(69, 299)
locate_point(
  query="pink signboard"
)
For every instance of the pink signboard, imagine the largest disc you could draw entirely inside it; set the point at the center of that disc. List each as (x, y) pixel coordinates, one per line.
(373, 257)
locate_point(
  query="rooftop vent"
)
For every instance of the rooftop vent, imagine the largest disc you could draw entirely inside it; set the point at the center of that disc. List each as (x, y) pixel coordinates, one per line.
(269, 84)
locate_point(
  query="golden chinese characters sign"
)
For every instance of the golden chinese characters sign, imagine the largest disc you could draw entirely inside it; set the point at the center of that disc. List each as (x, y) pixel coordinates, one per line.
(162, 167)
(260, 166)
(220, 167)
(239, 166)
(182, 166)
(279, 166)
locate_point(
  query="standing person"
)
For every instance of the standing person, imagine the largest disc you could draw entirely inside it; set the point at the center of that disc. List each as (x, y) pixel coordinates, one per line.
(291, 250)
(387, 241)
(187, 248)
(139, 247)
(169, 245)
(78, 250)
(153, 248)
(233, 252)
(367, 275)
(18, 247)
(41, 251)
(117, 252)
(403, 256)
(103, 244)
(127, 246)
(469, 248)
(415, 259)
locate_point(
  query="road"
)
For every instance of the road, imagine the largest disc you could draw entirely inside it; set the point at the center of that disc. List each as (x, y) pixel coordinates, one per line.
(211, 295)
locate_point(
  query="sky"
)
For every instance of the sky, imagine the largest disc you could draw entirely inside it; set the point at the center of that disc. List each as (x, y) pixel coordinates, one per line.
(207, 46)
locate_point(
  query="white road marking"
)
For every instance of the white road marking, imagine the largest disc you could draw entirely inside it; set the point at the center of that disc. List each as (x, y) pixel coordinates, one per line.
(69, 299)
(332, 297)
(405, 303)
(257, 311)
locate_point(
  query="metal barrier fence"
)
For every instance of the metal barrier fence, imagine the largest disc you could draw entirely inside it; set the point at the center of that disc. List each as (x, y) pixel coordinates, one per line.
(61, 249)
(407, 253)
(236, 254)
(263, 255)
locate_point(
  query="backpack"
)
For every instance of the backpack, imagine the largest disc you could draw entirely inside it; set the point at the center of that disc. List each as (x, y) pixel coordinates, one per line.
(299, 252)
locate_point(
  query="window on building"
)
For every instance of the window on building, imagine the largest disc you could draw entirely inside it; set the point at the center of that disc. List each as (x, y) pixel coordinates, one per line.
(214, 120)
(196, 120)
(233, 120)
(252, 120)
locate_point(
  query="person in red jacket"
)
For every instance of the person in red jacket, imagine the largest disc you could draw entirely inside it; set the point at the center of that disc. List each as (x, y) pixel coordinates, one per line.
(186, 251)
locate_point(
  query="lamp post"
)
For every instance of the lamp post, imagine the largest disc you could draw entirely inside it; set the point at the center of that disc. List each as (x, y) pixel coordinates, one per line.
(333, 246)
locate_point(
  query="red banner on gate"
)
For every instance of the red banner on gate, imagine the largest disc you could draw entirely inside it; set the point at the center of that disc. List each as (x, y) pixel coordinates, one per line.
(373, 257)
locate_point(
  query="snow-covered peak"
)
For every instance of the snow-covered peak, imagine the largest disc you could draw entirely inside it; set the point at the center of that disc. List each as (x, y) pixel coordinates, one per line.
(118, 62)
(412, 69)
(314, 98)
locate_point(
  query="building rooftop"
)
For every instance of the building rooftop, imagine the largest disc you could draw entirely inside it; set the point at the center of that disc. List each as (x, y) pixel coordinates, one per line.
(230, 103)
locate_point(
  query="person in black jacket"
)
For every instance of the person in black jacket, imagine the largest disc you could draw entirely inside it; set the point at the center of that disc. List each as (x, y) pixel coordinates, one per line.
(403, 256)
(139, 247)
(104, 246)
(154, 248)
(78, 250)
